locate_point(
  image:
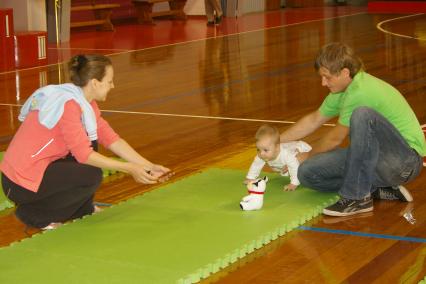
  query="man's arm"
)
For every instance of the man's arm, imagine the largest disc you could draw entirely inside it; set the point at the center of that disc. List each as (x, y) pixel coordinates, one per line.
(328, 142)
(331, 140)
(304, 126)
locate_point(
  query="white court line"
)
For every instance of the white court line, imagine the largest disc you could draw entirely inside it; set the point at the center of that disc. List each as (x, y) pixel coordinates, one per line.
(84, 48)
(196, 40)
(238, 33)
(379, 27)
(190, 116)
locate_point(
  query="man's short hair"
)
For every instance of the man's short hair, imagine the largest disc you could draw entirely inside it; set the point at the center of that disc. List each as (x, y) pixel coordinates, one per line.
(336, 56)
(268, 131)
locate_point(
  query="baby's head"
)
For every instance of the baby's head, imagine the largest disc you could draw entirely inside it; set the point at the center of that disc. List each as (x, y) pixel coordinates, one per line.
(268, 142)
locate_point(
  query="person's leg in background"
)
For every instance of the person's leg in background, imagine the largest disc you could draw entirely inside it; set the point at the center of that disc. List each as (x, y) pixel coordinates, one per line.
(209, 12)
(213, 7)
(218, 8)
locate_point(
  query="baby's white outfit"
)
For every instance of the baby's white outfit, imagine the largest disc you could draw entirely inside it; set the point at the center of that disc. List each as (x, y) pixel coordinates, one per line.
(286, 157)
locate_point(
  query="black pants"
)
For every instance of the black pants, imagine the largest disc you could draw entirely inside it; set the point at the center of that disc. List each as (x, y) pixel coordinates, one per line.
(66, 192)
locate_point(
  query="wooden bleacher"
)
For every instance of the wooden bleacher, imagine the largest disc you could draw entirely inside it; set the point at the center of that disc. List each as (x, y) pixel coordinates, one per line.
(146, 15)
(102, 14)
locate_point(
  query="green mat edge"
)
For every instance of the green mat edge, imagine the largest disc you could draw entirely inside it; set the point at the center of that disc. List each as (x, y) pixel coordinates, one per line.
(6, 205)
(230, 258)
(88, 216)
(266, 238)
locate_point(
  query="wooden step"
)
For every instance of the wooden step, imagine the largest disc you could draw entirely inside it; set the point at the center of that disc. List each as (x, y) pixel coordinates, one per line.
(165, 13)
(87, 23)
(94, 7)
(151, 1)
(146, 15)
(102, 14)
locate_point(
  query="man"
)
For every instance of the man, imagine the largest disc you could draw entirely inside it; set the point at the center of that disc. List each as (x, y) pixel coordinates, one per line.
(386, 141)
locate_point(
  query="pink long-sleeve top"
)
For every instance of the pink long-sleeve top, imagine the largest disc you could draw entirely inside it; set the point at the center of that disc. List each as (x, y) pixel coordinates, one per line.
(34, 146)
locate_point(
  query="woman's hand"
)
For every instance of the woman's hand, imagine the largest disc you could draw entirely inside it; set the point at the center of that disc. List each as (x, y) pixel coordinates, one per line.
(161, 173)
(141, 174)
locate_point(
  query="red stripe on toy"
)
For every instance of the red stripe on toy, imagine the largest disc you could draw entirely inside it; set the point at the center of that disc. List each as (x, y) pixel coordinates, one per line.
(256, 192)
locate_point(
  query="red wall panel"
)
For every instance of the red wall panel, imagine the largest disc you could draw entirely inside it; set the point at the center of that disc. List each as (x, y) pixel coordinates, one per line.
(7, 51)
(30, 49)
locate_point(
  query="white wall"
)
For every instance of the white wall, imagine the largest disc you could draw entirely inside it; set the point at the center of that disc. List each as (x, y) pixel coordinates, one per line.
(27, 14)
(250, 6)
(192, 7)
(195, 7)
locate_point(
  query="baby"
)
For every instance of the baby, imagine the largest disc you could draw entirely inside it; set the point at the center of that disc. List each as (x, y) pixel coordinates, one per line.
(280, 157)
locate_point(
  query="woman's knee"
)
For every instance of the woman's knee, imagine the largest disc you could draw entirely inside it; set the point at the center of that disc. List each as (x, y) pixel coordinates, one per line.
(94, 175)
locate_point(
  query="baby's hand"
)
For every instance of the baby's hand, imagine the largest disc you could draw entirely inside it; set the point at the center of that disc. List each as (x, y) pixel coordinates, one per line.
(290, 187)
(247, 180)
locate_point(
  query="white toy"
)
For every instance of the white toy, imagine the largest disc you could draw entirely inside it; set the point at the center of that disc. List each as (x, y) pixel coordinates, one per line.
(256, 189)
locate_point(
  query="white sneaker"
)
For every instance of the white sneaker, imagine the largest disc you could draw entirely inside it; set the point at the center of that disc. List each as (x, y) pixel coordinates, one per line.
(52, 226)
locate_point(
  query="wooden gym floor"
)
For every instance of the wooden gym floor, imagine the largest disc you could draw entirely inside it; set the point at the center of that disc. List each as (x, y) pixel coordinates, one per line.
(192, 98)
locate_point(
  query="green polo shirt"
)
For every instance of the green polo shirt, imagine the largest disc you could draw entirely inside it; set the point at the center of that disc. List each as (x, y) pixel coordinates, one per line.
(369, 91)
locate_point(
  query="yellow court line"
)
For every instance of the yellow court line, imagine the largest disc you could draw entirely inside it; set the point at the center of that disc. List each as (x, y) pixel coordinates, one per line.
(190, 116)
(379, 27)
(195, 40)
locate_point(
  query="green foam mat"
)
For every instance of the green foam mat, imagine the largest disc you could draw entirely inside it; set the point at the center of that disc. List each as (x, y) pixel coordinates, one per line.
(4, 202)
(179, 233)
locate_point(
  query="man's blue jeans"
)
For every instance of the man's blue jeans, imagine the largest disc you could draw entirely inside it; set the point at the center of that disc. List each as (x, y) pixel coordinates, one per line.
(377, 156)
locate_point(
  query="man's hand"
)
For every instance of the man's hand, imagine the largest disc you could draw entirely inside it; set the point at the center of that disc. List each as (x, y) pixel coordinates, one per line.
(301, 157)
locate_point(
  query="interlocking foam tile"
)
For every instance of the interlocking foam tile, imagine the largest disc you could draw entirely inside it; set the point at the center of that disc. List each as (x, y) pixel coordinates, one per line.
(179, 233)
(4, 203)
(108, 172)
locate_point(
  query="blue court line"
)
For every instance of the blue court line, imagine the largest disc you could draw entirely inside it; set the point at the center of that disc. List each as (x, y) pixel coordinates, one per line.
(360, 234)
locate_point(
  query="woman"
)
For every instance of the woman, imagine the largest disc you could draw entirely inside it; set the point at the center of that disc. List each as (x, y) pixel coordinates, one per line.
(51, 168)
